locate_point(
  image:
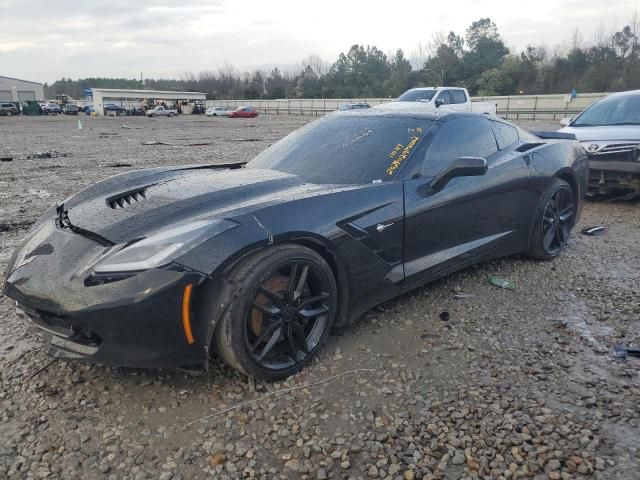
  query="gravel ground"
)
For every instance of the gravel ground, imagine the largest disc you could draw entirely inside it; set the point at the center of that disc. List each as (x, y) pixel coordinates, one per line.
(515, 384)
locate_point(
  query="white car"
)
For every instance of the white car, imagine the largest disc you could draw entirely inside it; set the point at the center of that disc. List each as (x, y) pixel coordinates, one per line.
(217, 111)
(609, 130)
(452, 99)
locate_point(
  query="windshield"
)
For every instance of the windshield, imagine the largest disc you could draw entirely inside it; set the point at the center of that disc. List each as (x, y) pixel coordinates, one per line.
(623, 110)
(416, 95)
(349, 149)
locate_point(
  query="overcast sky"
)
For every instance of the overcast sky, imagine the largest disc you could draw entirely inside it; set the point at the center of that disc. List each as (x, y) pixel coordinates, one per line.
(44, 40)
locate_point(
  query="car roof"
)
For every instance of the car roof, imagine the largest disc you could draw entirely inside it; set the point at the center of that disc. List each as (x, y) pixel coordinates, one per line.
(417, 112)
(623, 94)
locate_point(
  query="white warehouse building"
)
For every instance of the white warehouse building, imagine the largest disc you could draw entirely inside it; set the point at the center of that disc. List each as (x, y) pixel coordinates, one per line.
(15, 90)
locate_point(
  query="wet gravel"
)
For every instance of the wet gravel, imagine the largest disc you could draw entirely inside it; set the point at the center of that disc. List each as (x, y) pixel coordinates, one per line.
(510, 384)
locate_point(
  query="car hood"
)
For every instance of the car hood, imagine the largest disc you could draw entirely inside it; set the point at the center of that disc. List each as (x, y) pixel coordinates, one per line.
(604, 133)
(139, 203)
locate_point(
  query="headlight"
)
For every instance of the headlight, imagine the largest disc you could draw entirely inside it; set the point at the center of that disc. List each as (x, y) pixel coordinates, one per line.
(163, 247)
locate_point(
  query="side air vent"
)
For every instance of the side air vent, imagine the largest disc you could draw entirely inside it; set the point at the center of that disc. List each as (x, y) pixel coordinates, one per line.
(125, 199)
(528, 146)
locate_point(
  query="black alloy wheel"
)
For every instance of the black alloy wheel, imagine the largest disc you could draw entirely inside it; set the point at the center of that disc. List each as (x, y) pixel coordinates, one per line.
(555, 217)
(280, 313)
(288, 315)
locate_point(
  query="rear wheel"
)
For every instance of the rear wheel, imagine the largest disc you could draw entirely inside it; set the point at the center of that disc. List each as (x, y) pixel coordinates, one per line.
(172, 114)
(9, 114)
(555, 218)
(283, 306)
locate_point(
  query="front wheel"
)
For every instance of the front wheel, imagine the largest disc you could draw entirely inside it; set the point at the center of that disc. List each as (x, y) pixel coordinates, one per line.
(9, 114)
(172, 114)
(555, 217)
(280, 314)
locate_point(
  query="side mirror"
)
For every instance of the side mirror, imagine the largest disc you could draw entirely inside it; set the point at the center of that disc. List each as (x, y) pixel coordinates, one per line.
(565, 121)
(461, 167)
(439, 102)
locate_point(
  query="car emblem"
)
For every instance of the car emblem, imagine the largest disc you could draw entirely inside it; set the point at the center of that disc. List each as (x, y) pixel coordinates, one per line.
(593, 147)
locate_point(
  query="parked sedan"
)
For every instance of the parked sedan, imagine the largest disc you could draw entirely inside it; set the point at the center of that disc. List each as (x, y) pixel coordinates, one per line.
(8, 109)
(70, 109)
(112, 107)
(609, 130)
(243, 112)
(160, 267)
(217, 111)
(52, 108)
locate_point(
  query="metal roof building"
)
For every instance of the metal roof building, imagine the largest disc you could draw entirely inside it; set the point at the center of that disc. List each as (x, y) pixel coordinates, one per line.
(15, 90)
(101, 95)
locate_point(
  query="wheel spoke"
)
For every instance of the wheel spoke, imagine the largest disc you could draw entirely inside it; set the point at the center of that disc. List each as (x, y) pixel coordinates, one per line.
(275, 336)
(562, 235)
(547, 219)
(309, 313)
(266, 333)
(275, 299)
(548, 238)
(268, 310)
(298, 331)
(292, 345)
(301, 283)
(566, 214)
(311, 300)
(292, 281)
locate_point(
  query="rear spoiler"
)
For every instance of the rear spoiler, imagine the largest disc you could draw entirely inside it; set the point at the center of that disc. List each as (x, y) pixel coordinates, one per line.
(554, 135)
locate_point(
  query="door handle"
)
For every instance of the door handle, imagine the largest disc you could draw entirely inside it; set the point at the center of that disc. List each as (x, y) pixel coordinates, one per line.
(382, 227)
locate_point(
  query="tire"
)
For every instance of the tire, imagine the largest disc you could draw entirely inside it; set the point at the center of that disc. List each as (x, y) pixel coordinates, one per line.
(555, 217)
(172, 114)
(9, 114)
(262, 333)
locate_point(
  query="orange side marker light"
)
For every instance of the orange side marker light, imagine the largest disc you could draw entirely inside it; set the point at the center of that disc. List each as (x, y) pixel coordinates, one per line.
(186, 313)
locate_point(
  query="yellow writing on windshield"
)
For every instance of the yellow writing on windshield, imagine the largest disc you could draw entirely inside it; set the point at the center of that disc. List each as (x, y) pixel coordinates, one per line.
(396, 150)
(406, 151)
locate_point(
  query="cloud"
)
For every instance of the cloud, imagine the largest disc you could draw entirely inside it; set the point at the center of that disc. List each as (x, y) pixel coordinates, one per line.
(44, 40)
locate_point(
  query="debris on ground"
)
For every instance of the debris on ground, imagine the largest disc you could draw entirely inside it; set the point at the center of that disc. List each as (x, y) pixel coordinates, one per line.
(200, 144)
(49, 154)
(622, 351)
(462, 295)
(126, 127)
(119, 165)
(502, 282)
(6, 159)
(596, 230)
(444, 316)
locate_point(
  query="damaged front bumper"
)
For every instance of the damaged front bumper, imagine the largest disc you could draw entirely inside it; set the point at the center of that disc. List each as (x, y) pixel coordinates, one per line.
(136, 320)
(615, 170)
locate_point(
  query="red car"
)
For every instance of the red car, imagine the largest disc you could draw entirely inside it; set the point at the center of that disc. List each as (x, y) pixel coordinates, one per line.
(243, 112)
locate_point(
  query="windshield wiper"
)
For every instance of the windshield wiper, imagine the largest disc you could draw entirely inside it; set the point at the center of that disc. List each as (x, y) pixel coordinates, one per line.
(625, 123)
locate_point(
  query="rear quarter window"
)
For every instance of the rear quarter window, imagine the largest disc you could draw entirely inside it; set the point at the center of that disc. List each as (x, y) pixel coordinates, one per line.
(463, 137)
(506, 135)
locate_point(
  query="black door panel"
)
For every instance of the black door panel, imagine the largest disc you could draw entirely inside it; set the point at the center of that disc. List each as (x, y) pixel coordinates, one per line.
(470, 216)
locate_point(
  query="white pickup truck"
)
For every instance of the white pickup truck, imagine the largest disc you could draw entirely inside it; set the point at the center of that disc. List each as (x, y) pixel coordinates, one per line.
(161, 111)
(453, 99)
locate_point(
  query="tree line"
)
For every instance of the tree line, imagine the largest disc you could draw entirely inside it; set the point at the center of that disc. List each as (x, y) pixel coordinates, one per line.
(478, 60)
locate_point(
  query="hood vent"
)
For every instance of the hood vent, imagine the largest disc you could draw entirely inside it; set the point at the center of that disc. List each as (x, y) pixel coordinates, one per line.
(125, 199)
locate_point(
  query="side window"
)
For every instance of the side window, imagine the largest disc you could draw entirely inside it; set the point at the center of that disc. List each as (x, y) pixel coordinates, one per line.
(444, 95)
(506, 135)
(464, 137)
(457, 96)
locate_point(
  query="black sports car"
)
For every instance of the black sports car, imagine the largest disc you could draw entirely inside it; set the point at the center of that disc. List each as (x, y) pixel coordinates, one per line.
(257, 262)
